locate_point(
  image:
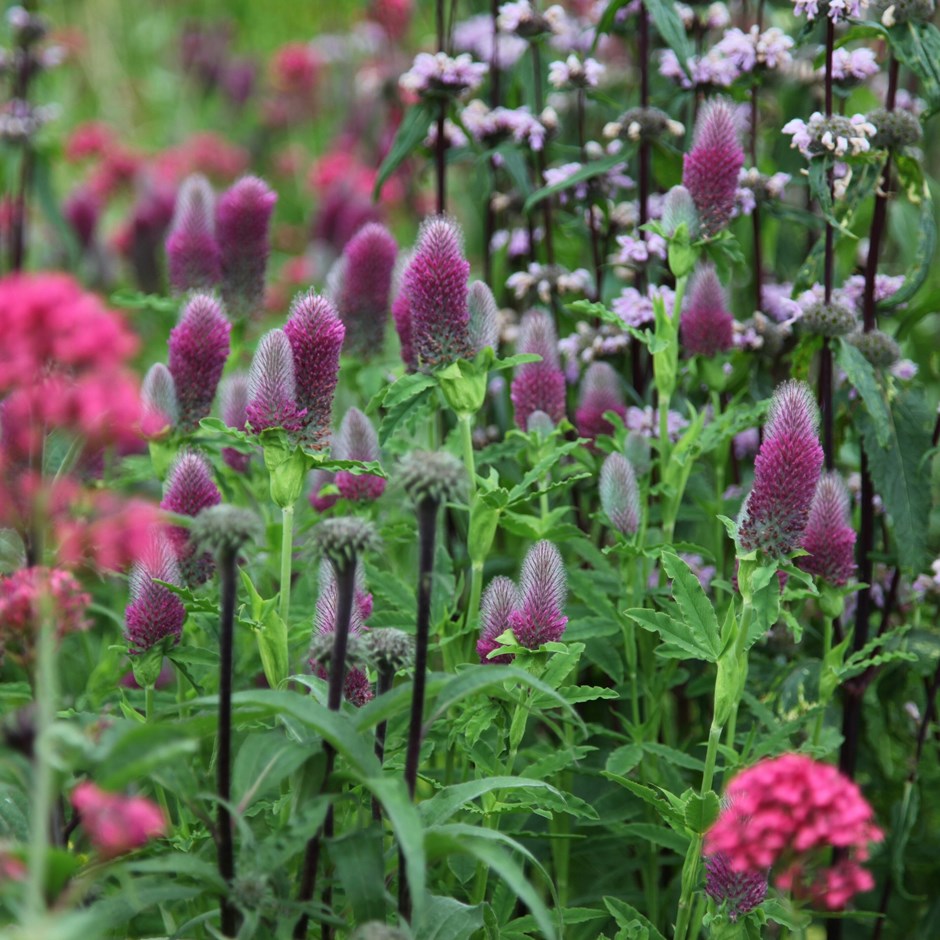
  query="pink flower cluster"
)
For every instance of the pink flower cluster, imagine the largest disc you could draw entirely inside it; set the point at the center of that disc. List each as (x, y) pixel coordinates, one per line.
(117, 824)
(442, 74)
(785, 814)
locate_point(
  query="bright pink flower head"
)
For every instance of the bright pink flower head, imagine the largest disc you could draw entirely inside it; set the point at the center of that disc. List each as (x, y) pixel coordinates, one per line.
(707, 326)
(294, 69)
(272, 391)
(233, 406)
(318, 480)
(742, 891)
(190, 489)
(829, 537)
(357, 440)
(500, 599)
(543, 589)
(786, 471)
(117, 824)
(436, 283)
(154, 612)
(316, 336)
(711, 168)
(620, 496)
(538, 386)
(394, 16)
(786, 814)
(243, 219)
(601, 390)
(199, 347)
(193, 257)
(82, 209)
(362, 298)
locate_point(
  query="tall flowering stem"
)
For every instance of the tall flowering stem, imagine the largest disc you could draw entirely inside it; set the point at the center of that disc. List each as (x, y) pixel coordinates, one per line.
(638, 368)
(825, 363)
(540, 158)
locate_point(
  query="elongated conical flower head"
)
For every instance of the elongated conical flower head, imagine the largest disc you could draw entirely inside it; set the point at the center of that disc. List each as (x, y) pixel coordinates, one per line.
(233, 406)
(786, 471)
(500, 599)
(357, 440)
(193, 258)
(362, 296)
(154, 612)
(436, 284)
(601, 391)
(740, 891)
(543, 589)
(243, 218)
(272, 391)
(198, 349)
(316, 335)
(620, 496)
(190, 489)
(711, 168)
(538, 386)
(707, 326)
(158, 398)
(484, 317)
(829, 537)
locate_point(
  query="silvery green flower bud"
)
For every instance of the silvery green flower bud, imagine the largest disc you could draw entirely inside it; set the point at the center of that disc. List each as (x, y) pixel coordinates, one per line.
(436, 476)
(829, 319)
(877, 347)
(345, 538)
(224, 529)
(390, 650)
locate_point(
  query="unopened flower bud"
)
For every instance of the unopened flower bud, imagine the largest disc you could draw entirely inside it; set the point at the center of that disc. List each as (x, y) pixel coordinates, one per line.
(880, 349)
(436, 476)
(344, 539)
(224, 529)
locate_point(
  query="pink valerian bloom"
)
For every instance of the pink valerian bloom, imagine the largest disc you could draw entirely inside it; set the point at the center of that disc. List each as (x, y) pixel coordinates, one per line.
(316, 334)
(272, 389)
(786, 472)
(499, 600)
(189, 489)
(601, 391)
(575, 72)
(786, 814)
(829, 537)
(198, 349)
(294, 69)
(742, 891)
(117, 824)
(754, 49)
(155, 613)
(620, 496)
(441, 74)
(193, 258)
(852, 65)
(357, 440)
(543, 589)
(837, 10)
(394, 16)
(158, 399)
(233, 406)
(435, 282)
(363, 284)
(706, 326)
(538, 386)
(490, 126)
(711, 168)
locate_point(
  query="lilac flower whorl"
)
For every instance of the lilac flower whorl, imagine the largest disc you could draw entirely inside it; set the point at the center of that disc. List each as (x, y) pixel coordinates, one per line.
(499, 600)
(193, 256)
(154, 612)
(543, 590)
(600, 391)
(829, 537)
(357, 440)
(707, 326)
(271, 386)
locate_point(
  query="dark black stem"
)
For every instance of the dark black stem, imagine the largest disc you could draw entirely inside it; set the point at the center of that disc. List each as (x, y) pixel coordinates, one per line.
(825, 364)
(592, 221)
(825, 400)
(427, 528)
(226, 852)
(489, 217)
(383, 685)
(440, 162)
(540, 155)
(637, 364)
(756, 214)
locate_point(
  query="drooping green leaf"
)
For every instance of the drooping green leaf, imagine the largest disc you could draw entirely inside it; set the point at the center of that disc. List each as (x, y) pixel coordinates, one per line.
(588, 171)
(917, 45)
(360, 867)
(679, 640)
(670, 27)
(410, 135)
(923, 253)
(695, 606)
(446, 802)
(862, 376)
(628, 916)
(449, 919)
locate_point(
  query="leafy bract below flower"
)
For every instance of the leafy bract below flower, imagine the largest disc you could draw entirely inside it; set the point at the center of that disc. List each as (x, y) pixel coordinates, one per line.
(441, 74)
(117, 824)
(706, 326)
(543, 589)
(837, 135)
(538, 386)
(154, 612)
(786, 472)
(829, 537)
(357, 440)
(499, 600)
(271, 386)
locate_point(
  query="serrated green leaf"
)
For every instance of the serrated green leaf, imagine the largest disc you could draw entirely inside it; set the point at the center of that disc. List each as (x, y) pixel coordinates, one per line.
(670, 27)
(627, 916)
(702, 811)
(862, 376)
(679, 641)
(695, 606)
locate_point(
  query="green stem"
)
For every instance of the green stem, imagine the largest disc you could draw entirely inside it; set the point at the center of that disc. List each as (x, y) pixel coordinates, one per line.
(287, 552)
(465, 422)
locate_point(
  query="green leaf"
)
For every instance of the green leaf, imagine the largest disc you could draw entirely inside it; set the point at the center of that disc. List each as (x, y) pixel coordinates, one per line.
(12, 551)
(679, 641)
(446, 802)
(702, 811)
(694, 604)
(449, 919)
(263, 761)
(627, 916)
(819, 187)
(403, 395)
(360, 867)
(923, 253)
(670, 27)
(862, 376)
(136, 751)
(917, 45)
(410, 135)
(588, 171)
(667, 812)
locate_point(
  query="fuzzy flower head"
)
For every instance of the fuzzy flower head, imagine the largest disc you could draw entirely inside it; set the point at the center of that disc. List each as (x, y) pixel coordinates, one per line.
(707, 326)
(880, 349)
(155, 612)
(786, 814)
(357, 440)
(601, 391)
(829, 537)
(543, 589)
(193, 257)
(316, 335)
(224, 530)
(117, 824)
(837, 135)
(198, 349)
(711, 167)
(620, 496)
(786, 471)
(272, 391)
(243, 218)
(158, 398)
(741, 892)
(483, 328)
(345, 539)
(828, 319)
(499, 600)
(233, 407)
(442, 76)
(538, 386)
(435, 476)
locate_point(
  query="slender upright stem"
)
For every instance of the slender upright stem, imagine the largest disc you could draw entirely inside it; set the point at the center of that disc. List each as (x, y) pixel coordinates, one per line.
(489, 218)
(756, 214)
(637, 364)
(440, 162)
(287, 552)
(540, 154)
(226, 852)
(825, 362)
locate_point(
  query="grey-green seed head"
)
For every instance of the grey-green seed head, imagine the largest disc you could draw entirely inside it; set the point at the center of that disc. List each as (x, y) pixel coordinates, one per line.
(896, 129)
(390, 650)
(223, 529)
(344, 539)
(881, 350)
(829, 319)
(437, 476)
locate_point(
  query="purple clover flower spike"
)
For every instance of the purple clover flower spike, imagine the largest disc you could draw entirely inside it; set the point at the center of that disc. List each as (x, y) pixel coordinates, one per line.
(158, 398)
(357, 440)
(707, 326)
(436, 284)
(786, 471)
(365, 284)
(601, 390)
(272, 390)
(189, 489)
(316, 335)
(539, 618)
(198, 349)
(401, 314)
(154, 612)
(193, 257)
(620, 496)
(318, 480)
(829, 537)
(500, 599)
(538, 386)
(711, 168)
(483, 328)
(233, 396)
(243, 219)
(742, 891)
